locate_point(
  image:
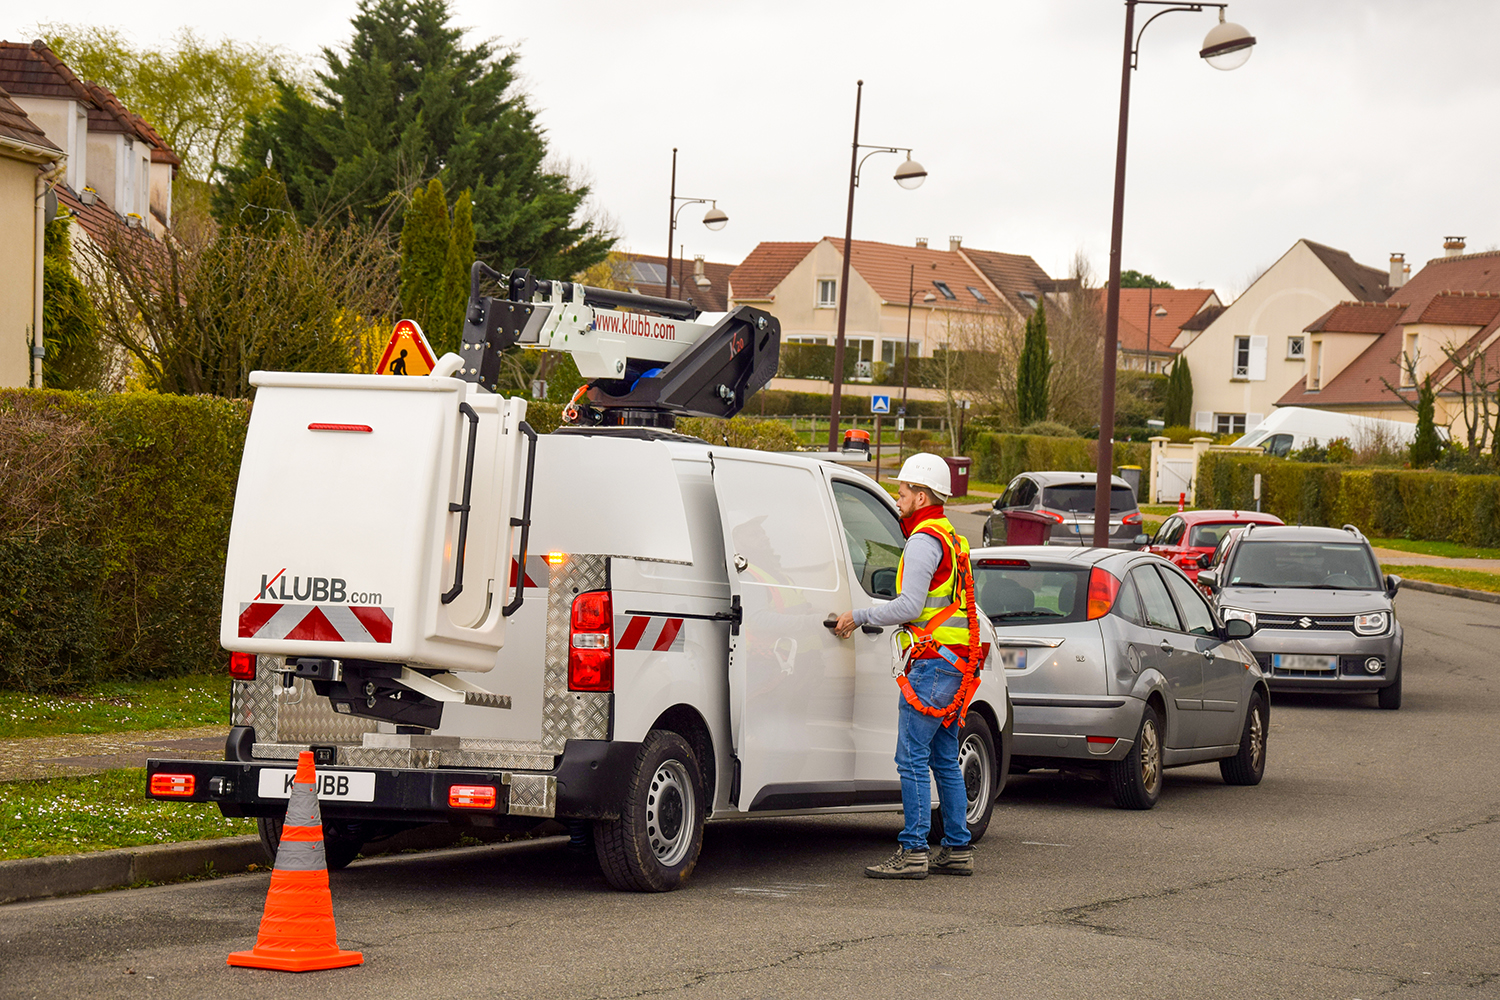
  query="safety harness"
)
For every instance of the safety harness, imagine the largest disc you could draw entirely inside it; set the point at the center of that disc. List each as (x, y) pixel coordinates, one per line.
(924, 645)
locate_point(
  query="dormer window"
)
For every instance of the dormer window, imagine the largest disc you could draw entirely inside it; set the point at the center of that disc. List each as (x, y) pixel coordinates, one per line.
(978, 295)
(942, 286)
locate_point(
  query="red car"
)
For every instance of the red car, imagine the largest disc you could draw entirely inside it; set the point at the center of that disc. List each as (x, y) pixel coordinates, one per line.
(1182, 538)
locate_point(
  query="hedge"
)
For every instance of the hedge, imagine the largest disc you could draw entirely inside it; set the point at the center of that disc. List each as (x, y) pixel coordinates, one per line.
(1385, 503)
(113, 526)
(999, 457)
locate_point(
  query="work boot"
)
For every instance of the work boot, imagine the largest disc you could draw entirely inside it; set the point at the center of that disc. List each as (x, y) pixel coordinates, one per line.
(902, 864)
(953, 861)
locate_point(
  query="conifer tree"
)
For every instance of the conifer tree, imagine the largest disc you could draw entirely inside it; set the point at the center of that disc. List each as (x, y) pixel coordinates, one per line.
(408, 99)
(76, 355)
(1177, 406)
(1426, 446)
(424, 252)
(1034, 371)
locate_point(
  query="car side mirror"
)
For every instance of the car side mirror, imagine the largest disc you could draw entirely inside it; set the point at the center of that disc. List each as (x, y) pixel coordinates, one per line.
(1208, 578)
(1238, 628)
(1142, 540)
(1392, 584)
(996, 504)
(1205, 560)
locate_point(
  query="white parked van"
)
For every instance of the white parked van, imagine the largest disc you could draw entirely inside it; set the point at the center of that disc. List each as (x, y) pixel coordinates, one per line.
(1292, 428)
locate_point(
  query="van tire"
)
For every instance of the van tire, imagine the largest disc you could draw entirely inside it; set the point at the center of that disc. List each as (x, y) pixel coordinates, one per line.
(654, 845)
(977, 757)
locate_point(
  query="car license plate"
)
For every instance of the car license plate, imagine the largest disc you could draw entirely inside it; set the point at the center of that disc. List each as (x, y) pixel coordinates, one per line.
(1302, 661)
(1012, 659)
(347, 786)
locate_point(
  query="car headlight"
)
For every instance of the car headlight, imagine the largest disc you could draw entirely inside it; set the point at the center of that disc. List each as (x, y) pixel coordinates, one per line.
(1373, 623)
(1229, 614)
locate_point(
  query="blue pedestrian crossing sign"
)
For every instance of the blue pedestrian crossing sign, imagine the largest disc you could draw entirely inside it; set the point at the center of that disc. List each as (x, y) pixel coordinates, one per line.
(880, 404)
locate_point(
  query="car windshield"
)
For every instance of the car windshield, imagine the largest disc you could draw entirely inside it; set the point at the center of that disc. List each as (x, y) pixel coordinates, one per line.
(1015, 593)
(1330, 565)
(1079, 498)
(1208, 536)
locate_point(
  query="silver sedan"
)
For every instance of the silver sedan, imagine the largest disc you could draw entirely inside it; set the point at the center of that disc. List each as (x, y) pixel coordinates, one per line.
(1117, 665)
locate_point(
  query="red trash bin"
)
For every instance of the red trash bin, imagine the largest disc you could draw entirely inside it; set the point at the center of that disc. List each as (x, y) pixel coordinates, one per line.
(958, 469)
(1026, 527)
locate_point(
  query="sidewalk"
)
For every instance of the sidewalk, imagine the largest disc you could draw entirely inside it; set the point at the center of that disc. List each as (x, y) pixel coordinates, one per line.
(76, 754)
(1395, 557)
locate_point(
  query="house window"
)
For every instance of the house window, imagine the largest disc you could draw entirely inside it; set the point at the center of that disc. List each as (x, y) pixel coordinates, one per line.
(821, 341)
(1296, 348)
(1029, 299)
(1241, 357)
(892, 351)
(976, 293)
(1229, 423)
(942, 286)
(828, 293)
(1315, 376)
(1409, 362)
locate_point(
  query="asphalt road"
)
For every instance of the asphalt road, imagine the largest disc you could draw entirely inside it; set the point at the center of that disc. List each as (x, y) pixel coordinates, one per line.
(1364, 865)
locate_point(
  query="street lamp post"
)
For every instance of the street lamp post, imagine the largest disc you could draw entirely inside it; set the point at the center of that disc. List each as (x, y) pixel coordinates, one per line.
(909, 175)
(1226, 47)
(714, 219)
(1151, 310)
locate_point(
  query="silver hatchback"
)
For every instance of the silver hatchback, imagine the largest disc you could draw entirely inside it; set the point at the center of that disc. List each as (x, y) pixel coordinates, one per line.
(1117, 665)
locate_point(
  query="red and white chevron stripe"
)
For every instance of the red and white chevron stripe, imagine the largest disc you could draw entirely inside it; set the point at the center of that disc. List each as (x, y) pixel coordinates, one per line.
(648, 632)
(315, 622)
(536, 572)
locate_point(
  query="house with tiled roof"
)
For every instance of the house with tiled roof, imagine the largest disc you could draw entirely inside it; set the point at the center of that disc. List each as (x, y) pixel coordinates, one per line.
(701, 280)
(895, 292)
(113, 155)
(1151, 320)
(1246, 358)
(1359, 353)
(27, 156)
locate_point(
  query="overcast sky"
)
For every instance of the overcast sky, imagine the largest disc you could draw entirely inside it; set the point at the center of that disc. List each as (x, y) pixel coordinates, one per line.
(1356, 123)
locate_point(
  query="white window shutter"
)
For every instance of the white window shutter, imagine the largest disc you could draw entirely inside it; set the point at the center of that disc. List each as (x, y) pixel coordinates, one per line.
(1204, 421)
(1253, 420)
(1258, 347)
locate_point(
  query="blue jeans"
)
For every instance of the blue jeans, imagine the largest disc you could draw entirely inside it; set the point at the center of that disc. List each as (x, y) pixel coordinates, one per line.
(923, 743)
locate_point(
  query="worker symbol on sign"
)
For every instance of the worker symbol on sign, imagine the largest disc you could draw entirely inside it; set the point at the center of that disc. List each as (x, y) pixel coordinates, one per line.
(407, 352)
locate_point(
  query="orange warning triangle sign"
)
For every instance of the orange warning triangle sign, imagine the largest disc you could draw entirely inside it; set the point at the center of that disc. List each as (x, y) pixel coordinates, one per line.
(407, 353)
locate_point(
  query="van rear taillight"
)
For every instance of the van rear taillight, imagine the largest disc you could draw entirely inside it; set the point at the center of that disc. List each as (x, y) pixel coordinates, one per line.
(176, 785)
(591, 645)
(242, 666)
(471, 796)
(1103, 589)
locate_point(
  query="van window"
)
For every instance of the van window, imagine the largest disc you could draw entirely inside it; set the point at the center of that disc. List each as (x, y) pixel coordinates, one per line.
(778, 522)
(874, 538)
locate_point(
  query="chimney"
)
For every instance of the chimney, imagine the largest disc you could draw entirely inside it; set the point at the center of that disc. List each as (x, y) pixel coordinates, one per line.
(954, 242)
(921, 243)
(1398, 270)
(1453, 246)
(700, 277)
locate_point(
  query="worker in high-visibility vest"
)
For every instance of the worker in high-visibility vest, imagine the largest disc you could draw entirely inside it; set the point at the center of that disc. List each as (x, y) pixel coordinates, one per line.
(930, 578)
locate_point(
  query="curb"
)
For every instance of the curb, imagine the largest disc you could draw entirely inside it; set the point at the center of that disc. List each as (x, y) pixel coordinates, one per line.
(67, 874)
(1447, 591)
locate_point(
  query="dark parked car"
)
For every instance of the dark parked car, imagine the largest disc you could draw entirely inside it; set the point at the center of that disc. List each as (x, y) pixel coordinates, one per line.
(1324, 618)
(1065, 500)
(1116, 665)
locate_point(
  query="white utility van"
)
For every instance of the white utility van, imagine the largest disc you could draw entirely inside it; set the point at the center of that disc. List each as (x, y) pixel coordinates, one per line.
(1292, 428)
(620, 628)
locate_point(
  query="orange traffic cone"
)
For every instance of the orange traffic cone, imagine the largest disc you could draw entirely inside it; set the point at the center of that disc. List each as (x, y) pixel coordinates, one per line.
(296, 932)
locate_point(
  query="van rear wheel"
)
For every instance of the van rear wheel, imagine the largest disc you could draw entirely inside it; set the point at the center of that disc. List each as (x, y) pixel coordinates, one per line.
(654, 845)
(976, 761)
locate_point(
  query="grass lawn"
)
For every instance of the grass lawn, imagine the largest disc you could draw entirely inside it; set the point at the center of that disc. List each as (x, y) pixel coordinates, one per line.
(1448, 550)
(1468, 579)
(118, 706)
(100, 811)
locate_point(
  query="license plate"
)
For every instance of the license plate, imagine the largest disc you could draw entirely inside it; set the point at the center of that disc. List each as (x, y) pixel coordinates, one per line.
(1302, 661)
(1012, 659)
(346, 786)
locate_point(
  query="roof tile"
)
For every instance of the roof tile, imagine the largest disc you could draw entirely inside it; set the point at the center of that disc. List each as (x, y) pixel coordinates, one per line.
(1136, 304)
(33, 70)
(15, 124)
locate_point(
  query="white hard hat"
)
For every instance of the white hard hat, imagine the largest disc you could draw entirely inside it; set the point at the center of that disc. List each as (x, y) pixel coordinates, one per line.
(927, 470)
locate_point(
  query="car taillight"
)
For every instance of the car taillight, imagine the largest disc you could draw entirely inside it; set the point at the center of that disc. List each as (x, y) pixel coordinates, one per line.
(1051, 516)
(1103, 589)
(242, 666)
(591, 647)
(1134, 517)
(471, 796)
(178, 785)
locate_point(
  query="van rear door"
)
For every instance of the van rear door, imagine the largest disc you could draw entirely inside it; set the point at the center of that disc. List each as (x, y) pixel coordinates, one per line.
(791, 681)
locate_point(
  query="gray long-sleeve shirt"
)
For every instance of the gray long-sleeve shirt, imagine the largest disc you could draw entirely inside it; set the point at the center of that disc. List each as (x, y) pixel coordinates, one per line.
(921, 557)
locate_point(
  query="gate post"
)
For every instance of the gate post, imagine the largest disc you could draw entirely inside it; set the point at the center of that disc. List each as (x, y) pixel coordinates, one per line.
(1158, 449)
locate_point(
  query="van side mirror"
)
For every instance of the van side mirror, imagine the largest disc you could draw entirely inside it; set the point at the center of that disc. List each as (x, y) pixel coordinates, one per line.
(1392, 584)
(1209, 579)
(1205, 560)
(1238, 628)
